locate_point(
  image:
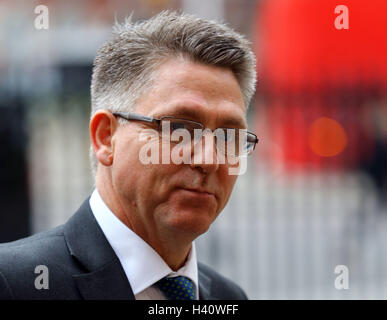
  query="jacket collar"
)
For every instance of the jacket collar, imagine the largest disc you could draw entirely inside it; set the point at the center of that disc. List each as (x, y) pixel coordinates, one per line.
(103, 277)
(204, 286)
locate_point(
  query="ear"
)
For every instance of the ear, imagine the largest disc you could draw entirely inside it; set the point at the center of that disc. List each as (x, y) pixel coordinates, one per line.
(102, 128)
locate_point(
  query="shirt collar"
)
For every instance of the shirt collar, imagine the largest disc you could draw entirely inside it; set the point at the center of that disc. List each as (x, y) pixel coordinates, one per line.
(143, 266)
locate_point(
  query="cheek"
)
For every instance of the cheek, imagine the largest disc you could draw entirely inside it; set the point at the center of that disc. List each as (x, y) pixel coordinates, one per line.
(126, 169)
(227, 183)
(146, 183)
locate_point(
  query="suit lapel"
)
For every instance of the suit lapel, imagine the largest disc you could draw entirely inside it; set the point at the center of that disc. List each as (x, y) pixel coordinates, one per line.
(107, 283)
(103, 277)
(205, 286)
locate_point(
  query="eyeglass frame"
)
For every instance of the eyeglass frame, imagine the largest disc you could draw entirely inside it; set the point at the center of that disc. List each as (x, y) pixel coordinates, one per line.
(139, 117)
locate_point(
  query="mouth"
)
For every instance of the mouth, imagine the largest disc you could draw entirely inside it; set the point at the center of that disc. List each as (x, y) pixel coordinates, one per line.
(198, 193)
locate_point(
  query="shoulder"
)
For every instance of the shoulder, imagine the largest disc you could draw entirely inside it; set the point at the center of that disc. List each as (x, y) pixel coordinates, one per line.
(31, 248)
(21, 262)
(220, 286)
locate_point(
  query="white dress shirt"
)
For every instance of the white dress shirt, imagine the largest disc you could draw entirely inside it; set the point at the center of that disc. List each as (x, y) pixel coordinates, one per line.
(143, 266)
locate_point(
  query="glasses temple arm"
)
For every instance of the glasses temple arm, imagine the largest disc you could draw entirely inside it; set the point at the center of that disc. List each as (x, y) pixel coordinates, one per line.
(135, 117)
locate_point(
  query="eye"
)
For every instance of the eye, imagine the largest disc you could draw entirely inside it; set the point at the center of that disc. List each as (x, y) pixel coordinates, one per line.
(177, 125)
(229, 135)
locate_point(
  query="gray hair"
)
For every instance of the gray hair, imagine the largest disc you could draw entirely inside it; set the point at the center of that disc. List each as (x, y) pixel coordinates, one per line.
(125, 66)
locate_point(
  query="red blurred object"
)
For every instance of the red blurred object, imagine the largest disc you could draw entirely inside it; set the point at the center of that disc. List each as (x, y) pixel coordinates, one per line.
(308, 69)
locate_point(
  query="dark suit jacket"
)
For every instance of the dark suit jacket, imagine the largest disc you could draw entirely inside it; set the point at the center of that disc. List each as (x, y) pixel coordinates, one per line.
(82, 265)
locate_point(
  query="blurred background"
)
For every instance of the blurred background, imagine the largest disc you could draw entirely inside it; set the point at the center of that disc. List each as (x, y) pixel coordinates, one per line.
(314, 196)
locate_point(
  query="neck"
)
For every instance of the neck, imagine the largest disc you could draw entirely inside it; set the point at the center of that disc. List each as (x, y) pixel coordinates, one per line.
(172, 248)
(174, 258)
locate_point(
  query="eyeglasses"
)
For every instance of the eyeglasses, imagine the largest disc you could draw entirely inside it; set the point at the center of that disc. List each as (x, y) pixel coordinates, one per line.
(228, 140)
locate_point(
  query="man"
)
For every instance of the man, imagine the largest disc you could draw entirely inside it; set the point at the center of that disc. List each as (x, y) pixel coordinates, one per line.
(134, 237)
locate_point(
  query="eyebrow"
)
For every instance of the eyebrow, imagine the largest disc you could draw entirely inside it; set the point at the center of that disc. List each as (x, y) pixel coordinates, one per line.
(193, 113)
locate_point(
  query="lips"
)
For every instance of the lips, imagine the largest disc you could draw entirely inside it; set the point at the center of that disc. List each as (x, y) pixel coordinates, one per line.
(199, 192)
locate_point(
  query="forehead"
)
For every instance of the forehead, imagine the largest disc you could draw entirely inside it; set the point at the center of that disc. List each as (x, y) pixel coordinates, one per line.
(199, 91)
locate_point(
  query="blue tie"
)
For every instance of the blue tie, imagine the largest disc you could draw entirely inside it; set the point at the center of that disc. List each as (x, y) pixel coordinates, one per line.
(177, 288)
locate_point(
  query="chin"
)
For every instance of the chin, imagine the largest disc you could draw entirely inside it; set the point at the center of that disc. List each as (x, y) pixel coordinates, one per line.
(190, 221)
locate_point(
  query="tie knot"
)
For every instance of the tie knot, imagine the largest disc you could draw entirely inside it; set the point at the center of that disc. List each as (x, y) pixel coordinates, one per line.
(177, 288)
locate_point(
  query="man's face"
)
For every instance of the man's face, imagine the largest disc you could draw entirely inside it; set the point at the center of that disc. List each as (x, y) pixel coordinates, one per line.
(155, 197)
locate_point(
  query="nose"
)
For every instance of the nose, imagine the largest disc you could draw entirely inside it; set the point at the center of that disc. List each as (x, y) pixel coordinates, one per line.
(204, 154)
